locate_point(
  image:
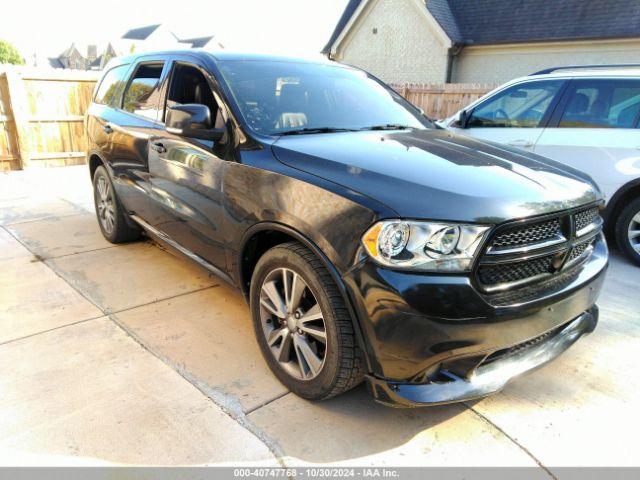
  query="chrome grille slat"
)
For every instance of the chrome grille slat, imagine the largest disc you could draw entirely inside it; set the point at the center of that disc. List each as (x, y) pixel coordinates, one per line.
(535, 250)
(532, 234)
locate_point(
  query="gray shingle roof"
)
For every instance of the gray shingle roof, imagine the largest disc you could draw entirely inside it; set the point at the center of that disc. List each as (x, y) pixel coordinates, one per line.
(140, 33)
(197, 42)
(486, 22)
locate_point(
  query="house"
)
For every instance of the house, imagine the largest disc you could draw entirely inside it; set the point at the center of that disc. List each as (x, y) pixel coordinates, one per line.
(72, 59)
(435, 41)
(149, 38)
(159, 37)
(208, 43)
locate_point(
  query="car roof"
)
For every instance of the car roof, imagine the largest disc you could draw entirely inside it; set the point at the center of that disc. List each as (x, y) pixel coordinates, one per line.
(593, 72)
(224, 55)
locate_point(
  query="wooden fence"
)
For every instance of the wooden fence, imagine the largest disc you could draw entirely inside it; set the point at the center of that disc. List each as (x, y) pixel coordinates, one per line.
(41, 113)
(41, 117)
(440, 101)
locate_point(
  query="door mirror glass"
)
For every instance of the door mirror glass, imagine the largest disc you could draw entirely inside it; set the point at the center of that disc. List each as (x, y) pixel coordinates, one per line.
(192, 120)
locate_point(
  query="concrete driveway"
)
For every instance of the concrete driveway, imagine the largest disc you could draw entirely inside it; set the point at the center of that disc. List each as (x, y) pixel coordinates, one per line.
(128, 354)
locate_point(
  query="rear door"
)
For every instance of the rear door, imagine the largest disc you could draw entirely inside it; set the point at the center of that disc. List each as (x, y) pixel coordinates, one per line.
(186, 173)
(103, 110)
(515, 115)
(137, 120)
(595, 130)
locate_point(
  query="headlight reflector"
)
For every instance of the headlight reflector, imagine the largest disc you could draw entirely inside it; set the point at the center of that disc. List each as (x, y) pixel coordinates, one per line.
(393, 239)
(425, 246)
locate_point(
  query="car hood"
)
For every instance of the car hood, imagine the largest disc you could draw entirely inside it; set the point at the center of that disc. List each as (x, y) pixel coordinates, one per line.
(436, 174)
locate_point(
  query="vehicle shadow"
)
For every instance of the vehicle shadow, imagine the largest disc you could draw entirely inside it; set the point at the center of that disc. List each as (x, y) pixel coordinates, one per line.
(351, 427)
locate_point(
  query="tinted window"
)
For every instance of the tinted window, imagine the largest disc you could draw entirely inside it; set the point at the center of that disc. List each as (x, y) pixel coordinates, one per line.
(520, 106)
(142, 96)
(110, 88)
(276, 97)
(189, 85)
(602, 104)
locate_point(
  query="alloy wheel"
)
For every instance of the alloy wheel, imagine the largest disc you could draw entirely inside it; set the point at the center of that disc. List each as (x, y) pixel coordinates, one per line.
(634, 232)
(105, 204)
(293, 324)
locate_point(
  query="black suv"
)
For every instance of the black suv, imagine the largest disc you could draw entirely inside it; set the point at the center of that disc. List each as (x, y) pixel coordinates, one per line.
(369, 243)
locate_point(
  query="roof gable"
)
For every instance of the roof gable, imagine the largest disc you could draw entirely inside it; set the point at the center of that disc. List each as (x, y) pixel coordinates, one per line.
(349, 10)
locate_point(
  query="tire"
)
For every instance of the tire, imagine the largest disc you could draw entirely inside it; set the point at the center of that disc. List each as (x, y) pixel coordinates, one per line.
(114, 225)
(627, 222)
(342, 360)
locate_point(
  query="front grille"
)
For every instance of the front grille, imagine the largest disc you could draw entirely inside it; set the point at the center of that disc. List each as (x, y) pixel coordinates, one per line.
(526, 252)
(579, 249)
(514, 272)
(585, 218)
(535, 233)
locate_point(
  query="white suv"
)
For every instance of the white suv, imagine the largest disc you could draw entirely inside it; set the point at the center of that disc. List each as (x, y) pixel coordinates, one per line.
(586, 117)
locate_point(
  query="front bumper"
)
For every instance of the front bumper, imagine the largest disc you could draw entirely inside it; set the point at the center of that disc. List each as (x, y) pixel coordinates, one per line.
(428, 337)
(486, 379)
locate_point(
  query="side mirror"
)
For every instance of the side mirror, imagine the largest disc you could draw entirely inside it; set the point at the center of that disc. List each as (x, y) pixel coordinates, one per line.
(192, 120)
(463, 119)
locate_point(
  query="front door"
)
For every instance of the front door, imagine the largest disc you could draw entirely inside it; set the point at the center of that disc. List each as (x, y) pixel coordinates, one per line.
(186, 173)
(515, 115)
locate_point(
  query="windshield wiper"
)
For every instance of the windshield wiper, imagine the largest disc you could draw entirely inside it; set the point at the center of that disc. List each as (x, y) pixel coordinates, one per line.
(388, 126)
(305, 131)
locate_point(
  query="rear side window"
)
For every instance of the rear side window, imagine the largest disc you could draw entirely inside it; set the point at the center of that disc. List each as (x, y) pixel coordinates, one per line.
(110, 88)
(602, 103)
(142, 95)
(520, 106)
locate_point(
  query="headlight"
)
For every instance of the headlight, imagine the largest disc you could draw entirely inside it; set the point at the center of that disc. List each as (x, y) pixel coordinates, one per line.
(427, 246)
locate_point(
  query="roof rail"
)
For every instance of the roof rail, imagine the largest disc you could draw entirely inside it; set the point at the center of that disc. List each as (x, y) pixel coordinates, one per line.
(578, 67)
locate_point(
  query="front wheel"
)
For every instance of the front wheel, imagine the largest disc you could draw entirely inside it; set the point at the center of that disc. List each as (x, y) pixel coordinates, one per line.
(628, 231)
(301, 323)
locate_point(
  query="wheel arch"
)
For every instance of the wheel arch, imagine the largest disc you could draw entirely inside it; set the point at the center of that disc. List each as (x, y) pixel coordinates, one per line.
(623, 195)
(280, 233)
(94, 160)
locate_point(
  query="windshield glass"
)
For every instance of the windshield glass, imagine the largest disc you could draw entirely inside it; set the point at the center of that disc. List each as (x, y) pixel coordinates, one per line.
(278, 97)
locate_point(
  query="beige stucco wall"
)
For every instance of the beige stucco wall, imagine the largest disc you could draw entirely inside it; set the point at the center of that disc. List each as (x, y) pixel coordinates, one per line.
(404, 49)
(499, 64)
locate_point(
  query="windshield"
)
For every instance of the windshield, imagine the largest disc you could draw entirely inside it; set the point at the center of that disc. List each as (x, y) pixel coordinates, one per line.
(279, 97)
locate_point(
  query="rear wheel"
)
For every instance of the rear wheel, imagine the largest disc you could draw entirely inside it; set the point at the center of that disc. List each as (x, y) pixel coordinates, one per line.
(302, 325)
(111, 216)
(628, 231)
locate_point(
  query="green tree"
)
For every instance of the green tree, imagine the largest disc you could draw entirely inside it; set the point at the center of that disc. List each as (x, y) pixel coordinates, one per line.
(9, 54)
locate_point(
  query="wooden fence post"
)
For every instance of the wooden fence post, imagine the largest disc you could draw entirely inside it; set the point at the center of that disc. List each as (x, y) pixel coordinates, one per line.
(19, 111)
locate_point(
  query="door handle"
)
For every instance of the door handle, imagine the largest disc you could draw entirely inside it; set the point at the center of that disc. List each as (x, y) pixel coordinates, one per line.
(521, 143)
(108, 129)
(159, 147)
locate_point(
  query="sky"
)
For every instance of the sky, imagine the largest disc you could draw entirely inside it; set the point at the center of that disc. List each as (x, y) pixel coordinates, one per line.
(295, 27)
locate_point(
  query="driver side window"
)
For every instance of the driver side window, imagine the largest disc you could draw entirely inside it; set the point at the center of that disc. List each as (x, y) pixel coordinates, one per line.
(188, 85)
(520, 106)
